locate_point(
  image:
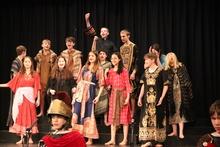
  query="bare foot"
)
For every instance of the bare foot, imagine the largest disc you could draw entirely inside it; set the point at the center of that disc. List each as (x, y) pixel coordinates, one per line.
(146, 144)
(158, 145)
(30, 141)
(181, 136)
(172, 134)
(89, 142)
(40, 114)
(124, 142)
(19, 142)
(110, 142)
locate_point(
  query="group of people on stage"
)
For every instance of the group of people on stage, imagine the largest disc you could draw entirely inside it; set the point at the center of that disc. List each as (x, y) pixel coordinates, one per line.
(108, 84)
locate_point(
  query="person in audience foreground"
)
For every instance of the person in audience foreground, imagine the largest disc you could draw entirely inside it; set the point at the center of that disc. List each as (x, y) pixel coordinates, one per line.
(212, 139)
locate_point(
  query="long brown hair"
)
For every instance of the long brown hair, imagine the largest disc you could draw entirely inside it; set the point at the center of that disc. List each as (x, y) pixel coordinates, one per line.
(23, 69)
(120, 64)
(96, 64)
(56, 73)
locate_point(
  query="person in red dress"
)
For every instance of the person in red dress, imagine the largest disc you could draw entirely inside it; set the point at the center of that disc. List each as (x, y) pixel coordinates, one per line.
(26, 87)
(61, 135)
(119, 107)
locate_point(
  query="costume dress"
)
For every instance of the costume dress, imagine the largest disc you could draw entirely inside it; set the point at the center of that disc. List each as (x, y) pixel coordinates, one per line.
(120, 88)
(152, 126)
(26, 88)
(82, 104)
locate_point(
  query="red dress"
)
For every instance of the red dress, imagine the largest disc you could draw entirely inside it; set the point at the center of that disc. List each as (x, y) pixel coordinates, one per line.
(24, 109)
(120, 87)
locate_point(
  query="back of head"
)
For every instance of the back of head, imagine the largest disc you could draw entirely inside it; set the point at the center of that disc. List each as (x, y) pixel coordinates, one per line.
(156, 46)
(20, 49)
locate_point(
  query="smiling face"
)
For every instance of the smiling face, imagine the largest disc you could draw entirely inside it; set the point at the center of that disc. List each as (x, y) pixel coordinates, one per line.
(27, 63)
(115, 60)
(61, 63)
(57, 122)
(92, 57)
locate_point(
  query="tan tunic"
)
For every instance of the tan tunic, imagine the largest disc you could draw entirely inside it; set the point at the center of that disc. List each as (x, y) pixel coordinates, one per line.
(127, 52)
(73, 59)
(44, 65)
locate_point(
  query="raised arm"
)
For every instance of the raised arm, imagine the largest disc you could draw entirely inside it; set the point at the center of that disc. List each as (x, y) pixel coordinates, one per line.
(87, 16)
(90, 31)
(4, 85)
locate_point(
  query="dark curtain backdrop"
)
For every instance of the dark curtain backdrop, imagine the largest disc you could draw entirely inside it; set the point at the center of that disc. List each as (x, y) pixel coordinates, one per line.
(189, 28)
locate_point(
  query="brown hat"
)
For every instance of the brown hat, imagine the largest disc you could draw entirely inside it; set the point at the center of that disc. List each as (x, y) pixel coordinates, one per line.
(61, 105)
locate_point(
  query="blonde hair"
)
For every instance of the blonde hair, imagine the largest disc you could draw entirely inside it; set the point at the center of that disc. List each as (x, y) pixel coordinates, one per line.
(126, 32)
(168, 58)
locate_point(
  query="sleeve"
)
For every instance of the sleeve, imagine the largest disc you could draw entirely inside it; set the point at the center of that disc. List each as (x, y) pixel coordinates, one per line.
(125, 77)
(77, 64)
(79, 78)
(205, 138)
(136, 61)
(53, 58)
(107, 80)
(14, 67)
(12, 84)
(90, 31)
(142, 79)
(72, 81)
(100, 76)
(187, 81)
(37, 85)
(165, 77)
(49, 85)
(37, 58)
(186, 75)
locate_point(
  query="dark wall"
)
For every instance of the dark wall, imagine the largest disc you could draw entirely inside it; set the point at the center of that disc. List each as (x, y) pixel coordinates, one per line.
(190, 28)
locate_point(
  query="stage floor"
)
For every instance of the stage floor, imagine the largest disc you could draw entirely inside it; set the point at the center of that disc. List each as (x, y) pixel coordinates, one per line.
(192, 132)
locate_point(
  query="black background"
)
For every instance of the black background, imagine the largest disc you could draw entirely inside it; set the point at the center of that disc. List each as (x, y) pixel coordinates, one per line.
(189, 28)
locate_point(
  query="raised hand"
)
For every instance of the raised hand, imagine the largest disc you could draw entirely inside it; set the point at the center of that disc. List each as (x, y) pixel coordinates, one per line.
(87, 15)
